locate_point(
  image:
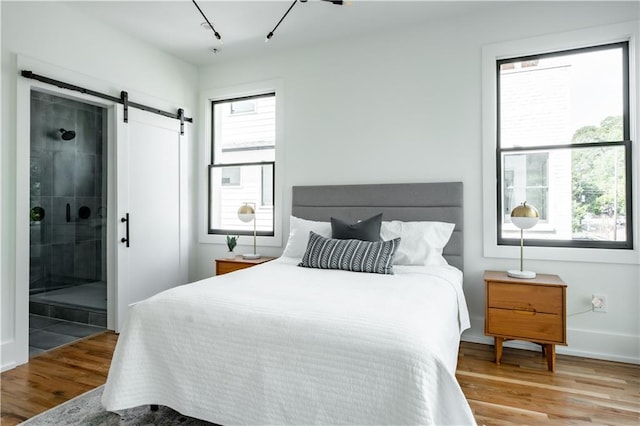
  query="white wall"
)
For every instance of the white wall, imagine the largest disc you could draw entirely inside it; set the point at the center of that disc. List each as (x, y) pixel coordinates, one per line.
(396, 106)
(60, 38)
(405, 105)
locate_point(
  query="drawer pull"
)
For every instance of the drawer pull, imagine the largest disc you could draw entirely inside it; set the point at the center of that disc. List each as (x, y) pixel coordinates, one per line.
(524, 312)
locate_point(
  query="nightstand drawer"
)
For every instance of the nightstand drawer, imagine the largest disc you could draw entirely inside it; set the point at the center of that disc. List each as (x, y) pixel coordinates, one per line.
(525, 297)
(226, 267)
(527, 325)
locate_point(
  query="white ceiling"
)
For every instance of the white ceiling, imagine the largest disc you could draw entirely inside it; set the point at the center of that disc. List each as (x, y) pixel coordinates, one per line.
(174, 26)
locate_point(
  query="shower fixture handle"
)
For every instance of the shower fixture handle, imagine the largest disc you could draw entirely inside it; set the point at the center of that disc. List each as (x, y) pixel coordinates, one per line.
(125, 219)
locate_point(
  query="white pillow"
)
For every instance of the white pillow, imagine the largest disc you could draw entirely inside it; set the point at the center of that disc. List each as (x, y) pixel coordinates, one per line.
(299, 235)
(421, 243)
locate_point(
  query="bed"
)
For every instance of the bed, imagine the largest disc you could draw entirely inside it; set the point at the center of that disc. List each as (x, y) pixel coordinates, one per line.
(283, 344)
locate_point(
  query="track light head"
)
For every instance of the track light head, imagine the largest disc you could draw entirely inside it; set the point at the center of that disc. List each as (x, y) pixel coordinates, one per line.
(208, 25)
(336, 2)
(280, 21)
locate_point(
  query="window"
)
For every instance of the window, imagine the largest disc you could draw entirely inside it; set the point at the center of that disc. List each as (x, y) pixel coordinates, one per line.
(267, 185)
(243, 106)
(525, 178)
(230, 176)
(563, 145)
(242, 168)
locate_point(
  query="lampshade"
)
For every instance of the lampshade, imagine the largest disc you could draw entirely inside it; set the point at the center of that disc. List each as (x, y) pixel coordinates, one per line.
(525, 216)
(246, 213)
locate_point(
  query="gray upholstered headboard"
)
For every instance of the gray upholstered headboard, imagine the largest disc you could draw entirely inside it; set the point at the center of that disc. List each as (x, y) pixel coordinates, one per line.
(402, 201)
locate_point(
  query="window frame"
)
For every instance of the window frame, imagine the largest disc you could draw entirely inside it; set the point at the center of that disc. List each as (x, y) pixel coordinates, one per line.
(626, 143)
(213, 165)
(606, 34)
(205, 156)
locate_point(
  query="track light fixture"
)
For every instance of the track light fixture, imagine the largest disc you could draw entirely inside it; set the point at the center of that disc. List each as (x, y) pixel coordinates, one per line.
(282, 19)
(336, 2)
(215, 33)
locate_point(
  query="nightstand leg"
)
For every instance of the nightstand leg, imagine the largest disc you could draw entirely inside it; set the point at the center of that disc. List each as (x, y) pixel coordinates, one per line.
(550, 351)
(498, 348)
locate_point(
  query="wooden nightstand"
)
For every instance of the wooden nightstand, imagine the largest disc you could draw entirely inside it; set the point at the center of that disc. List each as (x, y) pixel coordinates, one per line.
(224, 266)
(526, 309)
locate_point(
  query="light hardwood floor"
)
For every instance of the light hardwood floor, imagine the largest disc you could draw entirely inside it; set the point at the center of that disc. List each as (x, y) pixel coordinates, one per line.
(54, 377)
(519, 391)
(522, 391)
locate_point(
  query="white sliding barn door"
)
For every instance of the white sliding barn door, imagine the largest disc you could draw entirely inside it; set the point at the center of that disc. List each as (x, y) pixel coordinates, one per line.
(150, 186)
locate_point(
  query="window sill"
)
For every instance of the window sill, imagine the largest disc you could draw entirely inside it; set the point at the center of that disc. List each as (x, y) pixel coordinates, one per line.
(245, 240)
(591, 255)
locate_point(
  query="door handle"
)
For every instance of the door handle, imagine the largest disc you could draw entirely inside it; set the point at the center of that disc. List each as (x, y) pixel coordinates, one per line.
(68, 213)
(125, 220)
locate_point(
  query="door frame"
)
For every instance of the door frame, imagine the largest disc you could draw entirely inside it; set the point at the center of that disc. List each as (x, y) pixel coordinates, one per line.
(20, 350)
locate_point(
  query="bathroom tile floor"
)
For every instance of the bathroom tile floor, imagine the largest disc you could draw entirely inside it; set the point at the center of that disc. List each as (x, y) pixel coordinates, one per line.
(92, 296)
(47, 333)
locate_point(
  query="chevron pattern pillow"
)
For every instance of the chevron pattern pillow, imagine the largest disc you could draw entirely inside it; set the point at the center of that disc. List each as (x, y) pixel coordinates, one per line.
(350, 255)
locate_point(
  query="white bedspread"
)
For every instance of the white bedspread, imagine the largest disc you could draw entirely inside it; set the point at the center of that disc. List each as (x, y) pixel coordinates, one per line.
(280, 344)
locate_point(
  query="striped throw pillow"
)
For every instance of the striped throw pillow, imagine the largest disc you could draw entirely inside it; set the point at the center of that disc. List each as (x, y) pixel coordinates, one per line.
(350, 255)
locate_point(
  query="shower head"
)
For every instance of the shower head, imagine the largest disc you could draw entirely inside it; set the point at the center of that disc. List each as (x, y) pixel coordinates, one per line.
(67, 135)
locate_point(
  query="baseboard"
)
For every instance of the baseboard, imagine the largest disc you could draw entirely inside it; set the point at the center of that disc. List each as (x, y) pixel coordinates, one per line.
(7, 367)
(582, 343)
(6, 356)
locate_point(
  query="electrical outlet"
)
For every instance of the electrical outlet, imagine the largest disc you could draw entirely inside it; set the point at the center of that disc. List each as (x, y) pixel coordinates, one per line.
(599, 303)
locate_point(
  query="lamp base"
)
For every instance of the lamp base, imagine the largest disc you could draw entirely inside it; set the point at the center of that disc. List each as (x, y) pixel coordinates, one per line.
(251, 256)
(521, 274)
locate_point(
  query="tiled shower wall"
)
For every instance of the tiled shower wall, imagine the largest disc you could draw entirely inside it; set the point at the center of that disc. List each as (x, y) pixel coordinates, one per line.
(67, 250)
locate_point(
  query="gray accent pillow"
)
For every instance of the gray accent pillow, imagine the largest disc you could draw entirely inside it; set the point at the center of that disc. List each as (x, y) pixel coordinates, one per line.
(350, 255)
(365, 230)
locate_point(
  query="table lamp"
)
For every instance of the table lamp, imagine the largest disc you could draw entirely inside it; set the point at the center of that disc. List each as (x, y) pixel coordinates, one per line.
(247, 213)
(524, 217)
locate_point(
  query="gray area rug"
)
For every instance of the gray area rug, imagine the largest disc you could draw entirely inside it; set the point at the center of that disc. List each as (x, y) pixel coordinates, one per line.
(86, 409)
